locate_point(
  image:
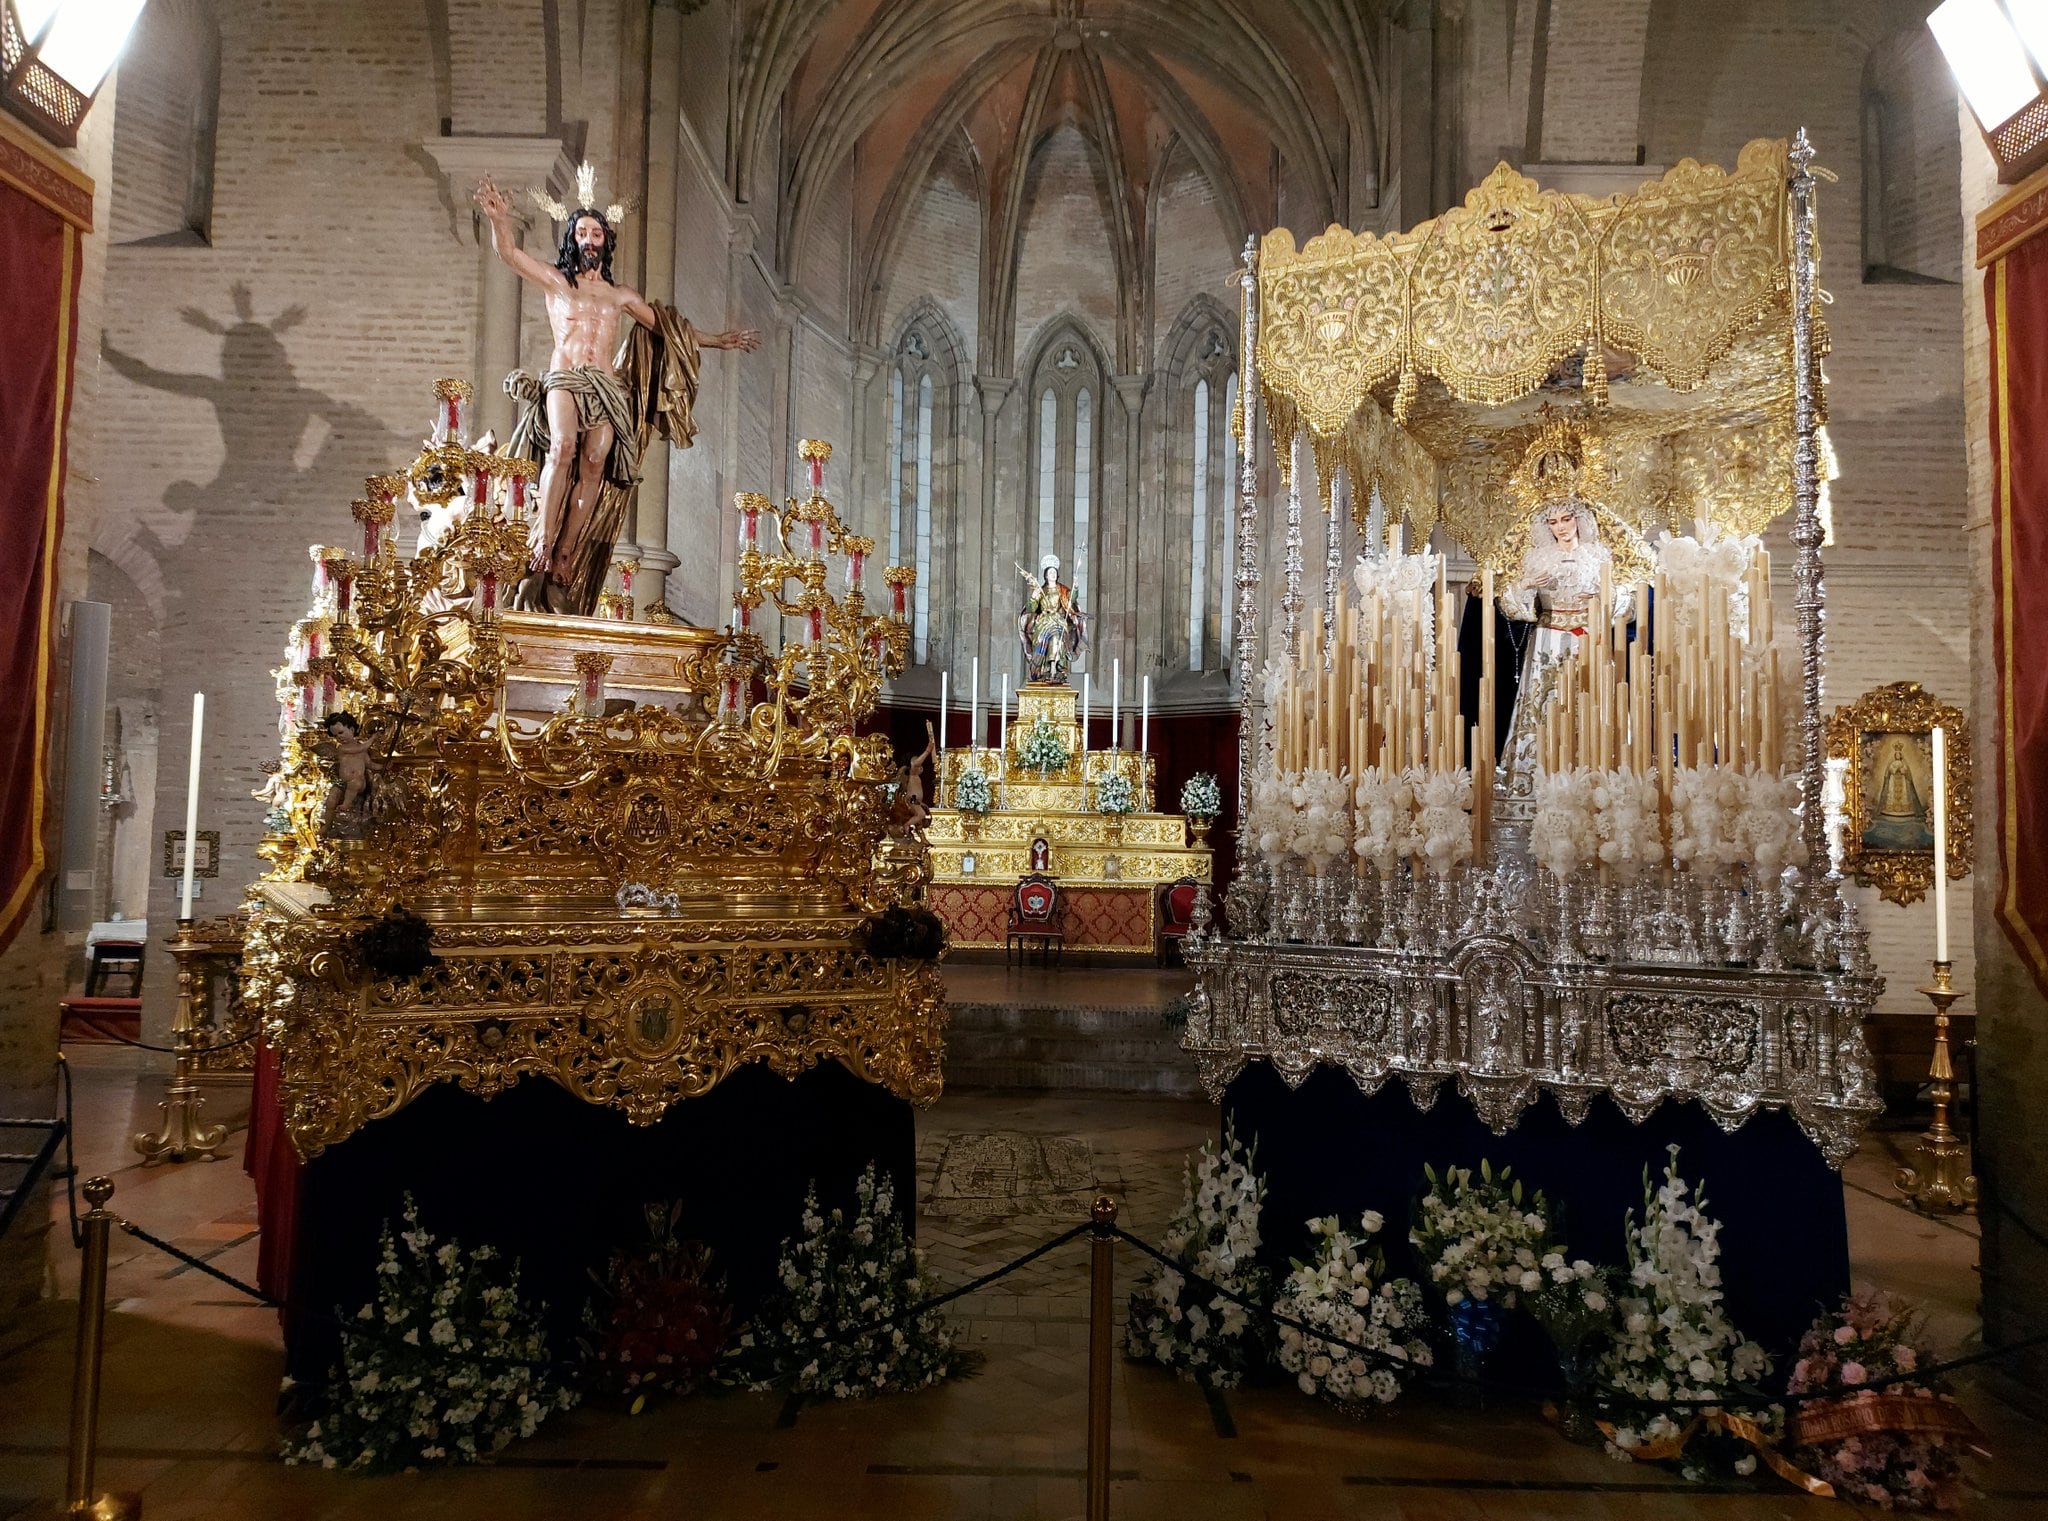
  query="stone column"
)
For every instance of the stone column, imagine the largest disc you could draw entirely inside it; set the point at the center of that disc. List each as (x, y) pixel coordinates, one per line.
(994, 392)
(516, 163)
(1130, 390)
(658, 282)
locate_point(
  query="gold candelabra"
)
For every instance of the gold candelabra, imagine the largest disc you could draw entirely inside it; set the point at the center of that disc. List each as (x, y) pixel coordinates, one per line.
(183, 1134)
(1941, 1178)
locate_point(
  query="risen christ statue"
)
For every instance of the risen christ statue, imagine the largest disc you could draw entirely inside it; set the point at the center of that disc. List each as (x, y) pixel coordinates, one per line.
(588, 419)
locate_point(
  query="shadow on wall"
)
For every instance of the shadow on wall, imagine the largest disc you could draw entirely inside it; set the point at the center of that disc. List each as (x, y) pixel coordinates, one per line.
(280, 438)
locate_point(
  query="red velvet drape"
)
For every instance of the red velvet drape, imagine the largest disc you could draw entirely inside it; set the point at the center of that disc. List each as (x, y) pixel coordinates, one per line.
(2016, 299)
(44, 206)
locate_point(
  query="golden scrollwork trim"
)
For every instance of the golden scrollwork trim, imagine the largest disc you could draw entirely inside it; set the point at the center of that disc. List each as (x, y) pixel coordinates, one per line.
(1903, 708)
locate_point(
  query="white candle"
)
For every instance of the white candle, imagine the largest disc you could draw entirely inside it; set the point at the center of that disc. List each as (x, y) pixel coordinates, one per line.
(1116, 686)
(192, 808)
(1145, 719)
(1940, 844)
(1003, 722)
(944, 678)
(1087, 691)
(974, 708)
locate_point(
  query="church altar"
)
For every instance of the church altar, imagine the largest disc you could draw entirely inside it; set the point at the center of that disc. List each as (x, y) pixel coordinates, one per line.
(1109, 866)
(1603, 919)
(577, 889)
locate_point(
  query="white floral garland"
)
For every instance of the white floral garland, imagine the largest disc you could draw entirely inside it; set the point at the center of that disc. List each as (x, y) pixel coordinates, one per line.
(1203, 1336)
(1345, 1292)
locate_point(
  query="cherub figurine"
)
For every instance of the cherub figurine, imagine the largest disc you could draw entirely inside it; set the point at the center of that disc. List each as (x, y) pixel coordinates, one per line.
(353, 791)
(907, 810)
(272, 795)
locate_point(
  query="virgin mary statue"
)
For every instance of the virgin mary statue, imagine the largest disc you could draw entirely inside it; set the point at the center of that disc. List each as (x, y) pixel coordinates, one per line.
(1051, 626)
(1556, 591)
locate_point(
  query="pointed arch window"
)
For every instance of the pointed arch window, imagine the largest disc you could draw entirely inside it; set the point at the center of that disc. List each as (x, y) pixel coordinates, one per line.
(920, 489)
(921, 632)
(1065, 452)
(1201, 463)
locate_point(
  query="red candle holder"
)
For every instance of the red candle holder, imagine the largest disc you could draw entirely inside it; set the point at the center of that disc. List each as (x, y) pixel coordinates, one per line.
(487, 594)
(816, 619)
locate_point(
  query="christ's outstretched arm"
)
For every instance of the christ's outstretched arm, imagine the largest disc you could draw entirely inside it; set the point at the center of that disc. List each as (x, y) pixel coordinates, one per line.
(490, 200)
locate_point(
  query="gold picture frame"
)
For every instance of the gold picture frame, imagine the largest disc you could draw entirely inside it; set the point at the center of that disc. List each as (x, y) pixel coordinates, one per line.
(1887, 738)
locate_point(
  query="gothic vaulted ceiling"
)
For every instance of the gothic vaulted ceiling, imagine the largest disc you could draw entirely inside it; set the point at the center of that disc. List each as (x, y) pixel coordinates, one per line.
(1256, 93)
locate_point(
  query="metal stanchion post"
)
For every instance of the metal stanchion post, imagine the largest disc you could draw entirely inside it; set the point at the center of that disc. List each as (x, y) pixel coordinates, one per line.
(1101, 1338)
(85, 1374)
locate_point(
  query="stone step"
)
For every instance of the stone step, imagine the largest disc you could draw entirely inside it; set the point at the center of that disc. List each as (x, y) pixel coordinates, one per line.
(1039, 1047)
(1003, 1016)
(1070, 1077)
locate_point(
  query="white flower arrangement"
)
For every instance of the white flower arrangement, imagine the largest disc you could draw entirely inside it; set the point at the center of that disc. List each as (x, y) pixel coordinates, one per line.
(1707, 805)
(449, 1365)
(1625, 822)
(1563, 836)
(1200, 796)
(1272, 810)
(1321, 819)
(1693, 564)
(1385, 819)
(972, 793)
(1114, 794)
(839, 1277)
(1204, 1336)
(1480, 1239)
(1576, 1302)
(1675, 1341)
(1767, 832)
(1043, 749)
(1345, 1292)
(1443, 821)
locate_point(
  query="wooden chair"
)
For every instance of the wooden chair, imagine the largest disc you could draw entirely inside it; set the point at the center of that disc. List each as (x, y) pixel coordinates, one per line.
(1037, 914)
(1176, 912)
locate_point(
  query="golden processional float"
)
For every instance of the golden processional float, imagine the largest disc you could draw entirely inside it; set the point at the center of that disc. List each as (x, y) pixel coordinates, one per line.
(645, 855)
(1623, 886)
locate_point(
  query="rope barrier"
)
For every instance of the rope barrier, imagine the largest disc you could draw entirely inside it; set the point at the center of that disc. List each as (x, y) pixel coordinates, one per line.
(197, 1051)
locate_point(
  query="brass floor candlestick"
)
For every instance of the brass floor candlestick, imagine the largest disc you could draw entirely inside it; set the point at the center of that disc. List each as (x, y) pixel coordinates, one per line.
(1941, 1178)
(183, 1135)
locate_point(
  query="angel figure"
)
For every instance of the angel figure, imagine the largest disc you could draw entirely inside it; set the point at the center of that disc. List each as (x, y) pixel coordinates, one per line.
(1051, 628)
(352, 795)
(907, 810)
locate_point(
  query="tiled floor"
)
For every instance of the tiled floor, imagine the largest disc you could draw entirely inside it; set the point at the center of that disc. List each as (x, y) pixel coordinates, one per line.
(192, 1370)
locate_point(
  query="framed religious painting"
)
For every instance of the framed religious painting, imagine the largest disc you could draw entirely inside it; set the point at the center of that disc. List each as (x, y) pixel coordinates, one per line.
(1885, 738)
